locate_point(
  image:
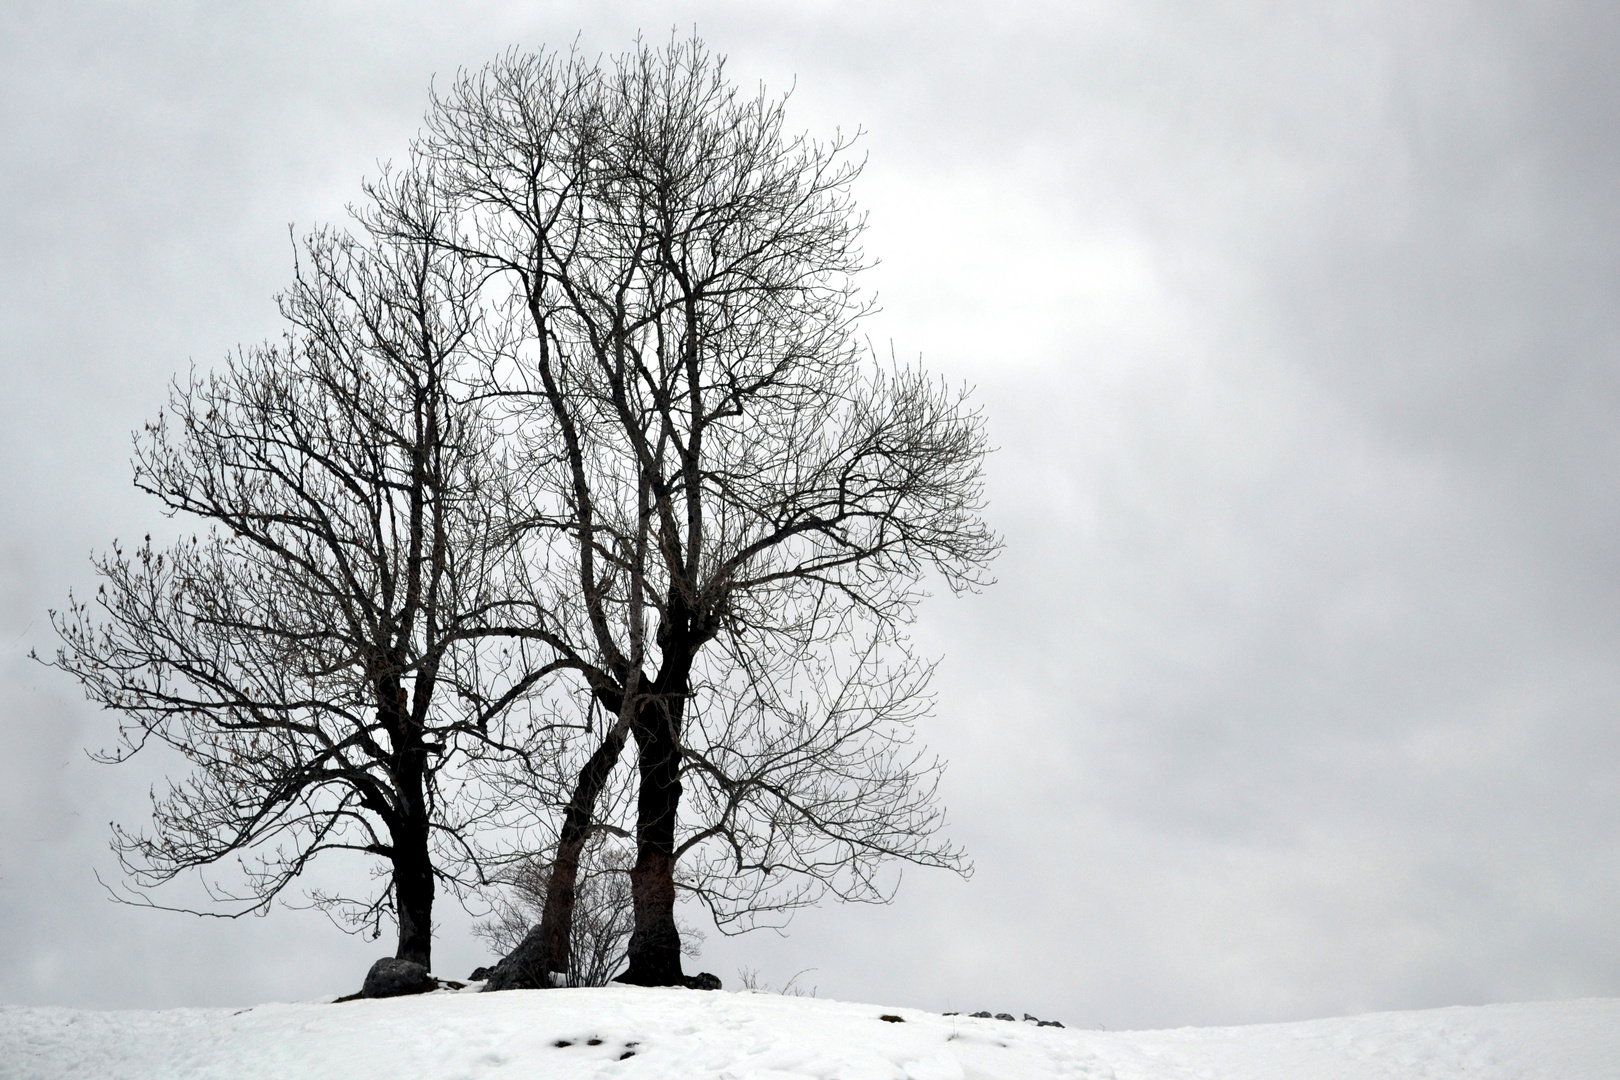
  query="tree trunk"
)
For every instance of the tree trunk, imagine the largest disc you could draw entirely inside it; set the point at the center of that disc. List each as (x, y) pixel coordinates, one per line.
(557, 917)
(548, 947)
(413, 896)
(413, 866)
(655, 943)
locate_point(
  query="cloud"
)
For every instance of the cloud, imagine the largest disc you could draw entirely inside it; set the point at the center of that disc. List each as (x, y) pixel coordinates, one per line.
(1294, 324)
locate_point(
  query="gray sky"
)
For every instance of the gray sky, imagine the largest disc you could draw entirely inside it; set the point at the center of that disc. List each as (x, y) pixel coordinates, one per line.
(1295, 325)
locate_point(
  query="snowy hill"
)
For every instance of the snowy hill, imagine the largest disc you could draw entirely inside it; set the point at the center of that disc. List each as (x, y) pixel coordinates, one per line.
(631, 1033)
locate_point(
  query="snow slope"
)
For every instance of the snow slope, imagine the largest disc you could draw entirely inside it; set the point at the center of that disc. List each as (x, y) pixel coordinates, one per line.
(684, 1033)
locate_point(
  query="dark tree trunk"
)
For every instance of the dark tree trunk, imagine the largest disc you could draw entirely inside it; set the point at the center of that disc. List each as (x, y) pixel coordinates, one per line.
(655, 943)
(413, 866)
(557, 917)
(413, 897)
(548, 947)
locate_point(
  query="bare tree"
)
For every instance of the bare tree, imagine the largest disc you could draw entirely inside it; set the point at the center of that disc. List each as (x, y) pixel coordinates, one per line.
(327, 654)
(730, 497)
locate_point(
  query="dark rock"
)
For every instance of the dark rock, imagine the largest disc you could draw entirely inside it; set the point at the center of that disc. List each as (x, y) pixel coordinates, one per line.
(514, 973)
(950, 1014)
(981, 1015)
(1005, 1016)
(703, 980)
(480, 974)
(524, 968)
(1034, 1018)
(890, 1018)
(1048, 1023)
(393, 977)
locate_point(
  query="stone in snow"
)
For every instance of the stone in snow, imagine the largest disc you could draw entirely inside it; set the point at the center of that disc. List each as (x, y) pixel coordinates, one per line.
(393, 977)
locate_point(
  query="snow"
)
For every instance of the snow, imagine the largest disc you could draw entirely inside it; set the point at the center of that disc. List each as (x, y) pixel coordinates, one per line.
(675, 1034)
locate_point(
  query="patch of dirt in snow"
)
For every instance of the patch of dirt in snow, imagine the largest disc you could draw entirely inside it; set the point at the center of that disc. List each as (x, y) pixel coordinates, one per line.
(677, 1034)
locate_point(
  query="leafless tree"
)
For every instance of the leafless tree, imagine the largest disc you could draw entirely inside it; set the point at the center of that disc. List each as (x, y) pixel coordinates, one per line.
(327, 654)
(735, 505)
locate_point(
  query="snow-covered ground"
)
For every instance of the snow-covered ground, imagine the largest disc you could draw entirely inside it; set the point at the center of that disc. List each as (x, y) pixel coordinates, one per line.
(628, 1032)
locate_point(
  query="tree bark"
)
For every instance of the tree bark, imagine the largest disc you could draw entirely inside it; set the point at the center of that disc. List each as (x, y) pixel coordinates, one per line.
(413, 897)
(549, 946)
(557, 917)
(413, 865)
(655, 943)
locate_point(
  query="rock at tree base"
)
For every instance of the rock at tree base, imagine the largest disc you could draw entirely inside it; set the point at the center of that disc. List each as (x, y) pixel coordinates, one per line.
(480, 974)
(514, 975)
(703, 980)
(524, 968)
(393, 977)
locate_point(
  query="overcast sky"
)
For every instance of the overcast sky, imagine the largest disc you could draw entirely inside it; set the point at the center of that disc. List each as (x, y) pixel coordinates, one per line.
(1295, 325)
